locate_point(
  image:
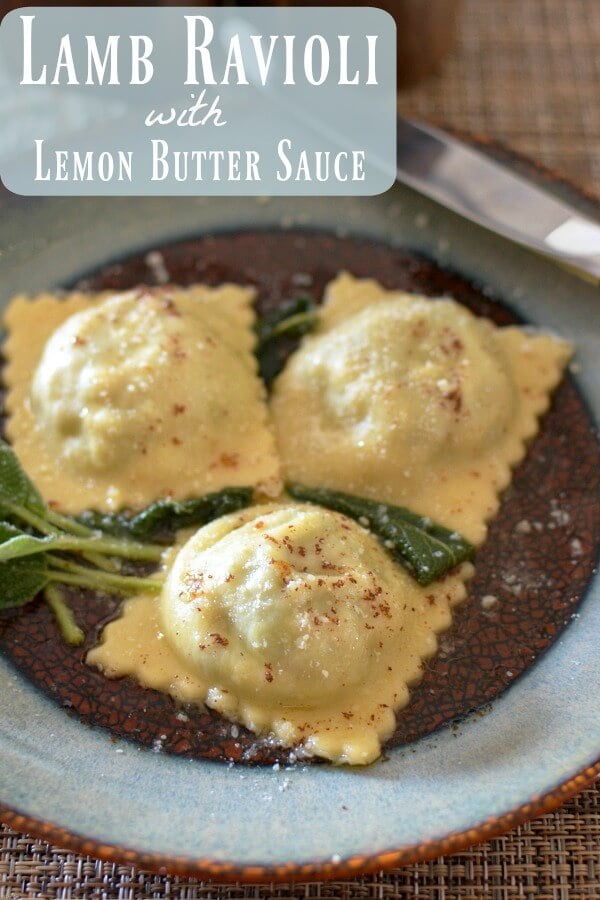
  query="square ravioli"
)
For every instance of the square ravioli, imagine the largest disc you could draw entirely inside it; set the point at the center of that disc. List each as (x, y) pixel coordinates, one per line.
(413, 401)
(291, 619)
(116, 400)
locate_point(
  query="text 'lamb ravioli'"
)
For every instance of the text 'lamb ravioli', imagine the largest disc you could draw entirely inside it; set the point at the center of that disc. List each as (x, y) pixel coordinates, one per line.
(413, 401)
(116, 401)
(292, 620)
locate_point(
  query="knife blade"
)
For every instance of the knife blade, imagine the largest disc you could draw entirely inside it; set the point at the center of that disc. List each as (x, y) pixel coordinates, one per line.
(468, 182)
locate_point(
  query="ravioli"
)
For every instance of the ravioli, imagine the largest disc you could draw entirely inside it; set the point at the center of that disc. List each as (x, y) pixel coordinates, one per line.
(288, 618)
(413, 401)
(115, 401)
(292, 620)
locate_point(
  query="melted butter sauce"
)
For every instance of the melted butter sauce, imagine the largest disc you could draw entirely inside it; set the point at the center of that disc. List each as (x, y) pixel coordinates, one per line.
(135, 644)
(119, 421)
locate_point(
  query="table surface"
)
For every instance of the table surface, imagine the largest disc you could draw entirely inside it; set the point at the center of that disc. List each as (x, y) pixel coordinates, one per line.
(528, 73)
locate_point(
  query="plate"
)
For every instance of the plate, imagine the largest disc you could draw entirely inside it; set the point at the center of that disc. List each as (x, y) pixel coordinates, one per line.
(533, 746)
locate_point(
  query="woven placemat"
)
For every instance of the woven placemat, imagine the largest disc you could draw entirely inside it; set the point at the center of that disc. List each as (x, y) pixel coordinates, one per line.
(556, 857)
(526, 72)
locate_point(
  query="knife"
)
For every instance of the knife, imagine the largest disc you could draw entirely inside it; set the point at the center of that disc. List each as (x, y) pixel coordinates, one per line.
(492, 195)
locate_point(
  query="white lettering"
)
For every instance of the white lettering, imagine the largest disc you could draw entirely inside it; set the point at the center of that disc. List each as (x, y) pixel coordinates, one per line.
(141, 48)
(203, 165)
(194, 49)
(319, 165)
(39, 175)
(372, 70)
(82, 167)
(263, 63)
(27, 54)
(289, 40)
(283, 145)
(191, 116)
(61, 157)
(235, 60)
(103, 60)
(106, 166)
(75, 165)
(309, 60)
(344, 39)
(160, 167)
(337, 168)
(65, 61)
(358, 167)
(160, 118)
(252, 161)
(100, 65)
(303, 170)
(214, 112)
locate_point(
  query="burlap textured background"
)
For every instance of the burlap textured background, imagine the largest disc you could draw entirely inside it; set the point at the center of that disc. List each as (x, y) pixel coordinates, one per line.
(526, 72)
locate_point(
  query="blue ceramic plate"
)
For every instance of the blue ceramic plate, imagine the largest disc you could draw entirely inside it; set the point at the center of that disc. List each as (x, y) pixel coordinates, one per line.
(537, 743)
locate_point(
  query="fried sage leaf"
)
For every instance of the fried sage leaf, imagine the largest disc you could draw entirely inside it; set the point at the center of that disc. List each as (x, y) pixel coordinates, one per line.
(293, 319)
(162, 519)
(16, 489)
(428, 551)
(52, 548)
(20, 579)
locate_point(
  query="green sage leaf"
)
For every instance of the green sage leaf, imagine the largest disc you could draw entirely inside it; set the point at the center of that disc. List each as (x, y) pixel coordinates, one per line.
(20, 579)
(162, 519)
(292, 319)
(19, 544)
(427, 550)
(16, 488)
